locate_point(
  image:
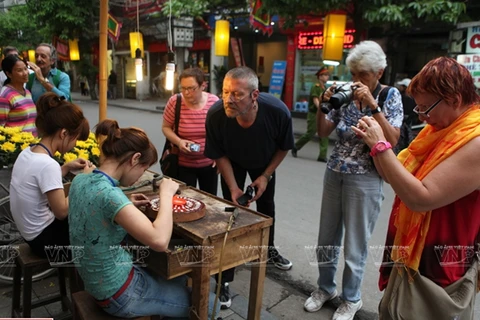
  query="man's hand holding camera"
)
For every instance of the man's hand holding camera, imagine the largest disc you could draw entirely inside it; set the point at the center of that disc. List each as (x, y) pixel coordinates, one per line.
(252, 193)
(38, 74)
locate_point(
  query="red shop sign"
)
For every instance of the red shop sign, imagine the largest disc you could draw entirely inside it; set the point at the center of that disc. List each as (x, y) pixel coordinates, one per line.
(314, 40)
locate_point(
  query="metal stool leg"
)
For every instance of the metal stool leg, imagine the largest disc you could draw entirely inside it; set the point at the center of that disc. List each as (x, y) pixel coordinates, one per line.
(27, 292)
(63, 288)
(17, 289)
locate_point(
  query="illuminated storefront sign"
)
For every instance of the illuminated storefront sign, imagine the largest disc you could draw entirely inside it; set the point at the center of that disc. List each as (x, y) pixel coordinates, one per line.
(314, 40)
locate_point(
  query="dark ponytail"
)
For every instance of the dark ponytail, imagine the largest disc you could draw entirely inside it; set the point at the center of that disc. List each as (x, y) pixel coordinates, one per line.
(55, 113)
(122, 143)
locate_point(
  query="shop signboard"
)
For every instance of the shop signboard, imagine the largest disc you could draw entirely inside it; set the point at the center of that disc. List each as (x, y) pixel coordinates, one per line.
(472, 63)
(277, 79)
(473, 40)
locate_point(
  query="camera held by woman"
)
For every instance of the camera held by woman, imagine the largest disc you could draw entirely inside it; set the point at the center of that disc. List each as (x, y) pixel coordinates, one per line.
(341, 97)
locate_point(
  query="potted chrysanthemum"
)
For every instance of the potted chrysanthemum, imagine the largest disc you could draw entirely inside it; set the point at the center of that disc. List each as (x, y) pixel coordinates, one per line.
(13, 140)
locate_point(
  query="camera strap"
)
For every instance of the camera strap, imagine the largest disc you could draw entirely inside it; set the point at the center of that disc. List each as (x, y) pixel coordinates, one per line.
(377, 90)
(382, 96)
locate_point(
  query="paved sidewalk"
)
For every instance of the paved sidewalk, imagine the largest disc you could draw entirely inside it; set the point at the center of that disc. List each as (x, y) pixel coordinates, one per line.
(280, 301)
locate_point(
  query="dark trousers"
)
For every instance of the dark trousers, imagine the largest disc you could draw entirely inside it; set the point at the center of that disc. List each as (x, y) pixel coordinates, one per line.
(55, 234)
(265, 204)
(207, 178)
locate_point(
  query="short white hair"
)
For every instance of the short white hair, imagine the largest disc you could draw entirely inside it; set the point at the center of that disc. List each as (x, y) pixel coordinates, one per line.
(367, 56)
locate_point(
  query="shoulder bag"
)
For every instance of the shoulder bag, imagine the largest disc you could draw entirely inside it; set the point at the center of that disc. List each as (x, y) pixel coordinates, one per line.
(169, 160)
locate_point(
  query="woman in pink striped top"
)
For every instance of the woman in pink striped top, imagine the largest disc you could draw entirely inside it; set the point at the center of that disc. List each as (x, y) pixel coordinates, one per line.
(17, 108)
(193, 165)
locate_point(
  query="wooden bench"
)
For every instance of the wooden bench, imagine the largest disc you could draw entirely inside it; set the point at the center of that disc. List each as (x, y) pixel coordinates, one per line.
(85, 308)
(25, 262)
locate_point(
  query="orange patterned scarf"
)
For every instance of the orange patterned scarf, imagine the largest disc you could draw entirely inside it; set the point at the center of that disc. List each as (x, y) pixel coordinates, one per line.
(429, 149)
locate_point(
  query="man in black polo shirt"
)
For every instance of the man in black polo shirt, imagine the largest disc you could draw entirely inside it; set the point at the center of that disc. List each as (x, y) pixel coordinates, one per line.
(249, 132)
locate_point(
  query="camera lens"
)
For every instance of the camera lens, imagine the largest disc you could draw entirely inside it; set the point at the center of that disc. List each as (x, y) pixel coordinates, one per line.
(341, 98)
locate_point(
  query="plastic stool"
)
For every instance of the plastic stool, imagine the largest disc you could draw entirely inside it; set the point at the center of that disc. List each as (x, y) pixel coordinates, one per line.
(24, 264)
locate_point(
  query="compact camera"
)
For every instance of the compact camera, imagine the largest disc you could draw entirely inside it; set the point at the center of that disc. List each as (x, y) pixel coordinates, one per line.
(194, 147)
(341, 97)
(247, 196)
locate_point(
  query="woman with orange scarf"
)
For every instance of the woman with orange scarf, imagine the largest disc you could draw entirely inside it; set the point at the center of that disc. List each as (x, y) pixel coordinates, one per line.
(430, 263)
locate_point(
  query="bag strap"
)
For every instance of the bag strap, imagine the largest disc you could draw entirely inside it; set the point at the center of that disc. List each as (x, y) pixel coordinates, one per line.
(30, 81)
(382, 96)
(178, 107)
(56, 78)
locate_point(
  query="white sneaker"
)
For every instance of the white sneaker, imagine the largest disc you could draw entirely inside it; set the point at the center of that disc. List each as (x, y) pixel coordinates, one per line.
(317, 299)
(347, 310)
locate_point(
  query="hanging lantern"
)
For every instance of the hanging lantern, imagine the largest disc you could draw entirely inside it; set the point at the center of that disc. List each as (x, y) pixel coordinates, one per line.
(138, 65)
(333, 33)
(222, 37)
(170, 76)
(74, 53)
(31, 55)
(136, 42)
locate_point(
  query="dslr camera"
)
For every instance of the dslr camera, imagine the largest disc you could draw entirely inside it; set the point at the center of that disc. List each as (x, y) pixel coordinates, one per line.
(342, 96)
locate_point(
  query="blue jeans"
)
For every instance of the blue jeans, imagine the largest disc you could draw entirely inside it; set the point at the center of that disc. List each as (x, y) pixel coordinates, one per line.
(149, 294)
(351, 203)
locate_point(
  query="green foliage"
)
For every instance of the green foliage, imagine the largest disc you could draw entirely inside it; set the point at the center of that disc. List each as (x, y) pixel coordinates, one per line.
(405, 13)
(66, 19)
(366, 13)
(17, 29)
(198, 8)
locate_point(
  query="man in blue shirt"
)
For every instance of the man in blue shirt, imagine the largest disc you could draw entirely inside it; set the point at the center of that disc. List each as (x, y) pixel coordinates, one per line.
(46, 76)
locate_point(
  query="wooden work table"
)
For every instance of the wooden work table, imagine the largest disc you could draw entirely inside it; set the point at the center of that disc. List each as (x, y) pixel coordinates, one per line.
(196, 246)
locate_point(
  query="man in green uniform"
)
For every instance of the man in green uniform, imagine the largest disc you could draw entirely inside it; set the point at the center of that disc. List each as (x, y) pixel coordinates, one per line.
(313, 105)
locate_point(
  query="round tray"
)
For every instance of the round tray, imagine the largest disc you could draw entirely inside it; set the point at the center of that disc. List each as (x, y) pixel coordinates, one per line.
(185, 209)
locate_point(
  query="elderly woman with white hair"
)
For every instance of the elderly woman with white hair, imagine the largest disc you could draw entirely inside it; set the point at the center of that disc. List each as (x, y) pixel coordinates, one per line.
(353, 189)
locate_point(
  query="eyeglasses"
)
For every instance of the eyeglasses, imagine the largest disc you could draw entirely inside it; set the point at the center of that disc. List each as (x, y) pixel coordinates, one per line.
(426, 112)
(235, 96)
(188, 89)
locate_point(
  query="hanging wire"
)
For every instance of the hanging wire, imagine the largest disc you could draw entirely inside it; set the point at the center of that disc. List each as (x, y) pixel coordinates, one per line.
(138, 18)
(169, 33)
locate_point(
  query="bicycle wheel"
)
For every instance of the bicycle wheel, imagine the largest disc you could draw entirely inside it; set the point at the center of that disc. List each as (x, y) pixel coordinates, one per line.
(10, 237)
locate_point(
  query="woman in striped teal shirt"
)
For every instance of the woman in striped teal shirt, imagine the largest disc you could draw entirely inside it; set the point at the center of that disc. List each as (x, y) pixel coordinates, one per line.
(17, 108)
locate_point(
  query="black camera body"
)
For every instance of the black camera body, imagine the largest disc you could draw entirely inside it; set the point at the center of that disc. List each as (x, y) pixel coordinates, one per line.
(341, 97)
(247, 196)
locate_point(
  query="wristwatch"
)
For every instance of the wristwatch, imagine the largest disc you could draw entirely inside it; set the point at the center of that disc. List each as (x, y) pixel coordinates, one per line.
(267, 176)
(376, 110)
(379, 147)
(45, 80)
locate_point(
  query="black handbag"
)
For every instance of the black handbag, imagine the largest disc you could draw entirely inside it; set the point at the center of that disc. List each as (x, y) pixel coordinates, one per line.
(169, 160)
